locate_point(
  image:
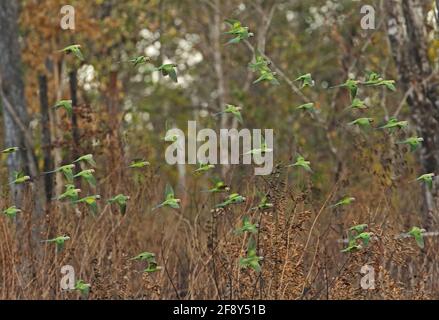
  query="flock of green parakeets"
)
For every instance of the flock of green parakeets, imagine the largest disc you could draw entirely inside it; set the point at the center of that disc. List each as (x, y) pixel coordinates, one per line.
(358, 238)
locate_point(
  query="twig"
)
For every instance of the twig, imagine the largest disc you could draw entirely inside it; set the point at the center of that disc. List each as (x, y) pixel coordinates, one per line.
(312, 227)
(16, 118)
(409, 92)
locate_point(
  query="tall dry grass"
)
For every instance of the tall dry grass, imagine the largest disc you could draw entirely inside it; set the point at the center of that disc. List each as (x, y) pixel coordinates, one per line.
(199, 251)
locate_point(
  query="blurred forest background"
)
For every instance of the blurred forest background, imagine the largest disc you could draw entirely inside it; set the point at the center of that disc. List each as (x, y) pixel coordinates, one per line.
(121, 113)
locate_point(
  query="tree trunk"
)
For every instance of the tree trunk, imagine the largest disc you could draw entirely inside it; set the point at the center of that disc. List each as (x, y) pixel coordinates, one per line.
(16, 128)
(219, 72)
(46, 137)
(13, 89)
(74, 96)
(55, 122)
(408, 40)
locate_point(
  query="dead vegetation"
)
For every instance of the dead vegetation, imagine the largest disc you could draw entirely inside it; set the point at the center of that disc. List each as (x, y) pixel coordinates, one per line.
(199, 250)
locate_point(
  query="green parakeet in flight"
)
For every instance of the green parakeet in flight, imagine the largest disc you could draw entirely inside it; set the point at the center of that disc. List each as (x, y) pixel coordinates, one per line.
(301, 162)
(358, 104)
(252, 259)
(413, 142)
(427, 178)
(204, 167)
(88, 176)
(418, 234)
(149, 257)
(168, 69)
(91, 201)
(20, 178)
(359, 228)
(71, 193)
(233, 110)
(352, 248)
(234, 198)
(261, 66)
(263, 149)
(268, 76)
(307, 107)
(260, 63)
(238, 31)
(343, 202)
(83, 288)
(171, 137)
(351, 85)
(66, 105)
(152, 267)
(365, 237)
(88, 158)
(374, 79)
(74, 49)
(11, 211)
(121, 200)
(170, 200)
(306, 80)
(144, 256)
(219, 186)
(362, 122)
(394, 123)
(247, 226)
(59, 241)
(138, 163)
(10, 150)
(66, 170)
(137, 61)
(264, 204)
(355, 231)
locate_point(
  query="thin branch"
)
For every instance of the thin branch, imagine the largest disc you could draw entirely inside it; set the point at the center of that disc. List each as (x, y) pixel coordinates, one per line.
(16, 118)
(165, 264)
(410, 91)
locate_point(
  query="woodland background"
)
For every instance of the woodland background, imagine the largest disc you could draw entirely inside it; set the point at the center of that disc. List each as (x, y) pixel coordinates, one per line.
(121, 112)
